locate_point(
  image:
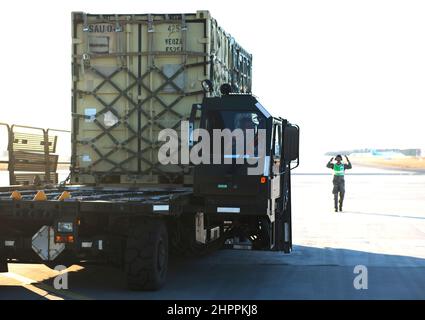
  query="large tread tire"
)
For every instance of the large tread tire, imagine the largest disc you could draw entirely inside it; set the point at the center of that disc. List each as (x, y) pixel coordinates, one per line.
(146, 256)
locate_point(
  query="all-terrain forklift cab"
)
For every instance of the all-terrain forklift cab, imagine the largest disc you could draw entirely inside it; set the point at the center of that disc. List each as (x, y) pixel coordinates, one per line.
(246, 188)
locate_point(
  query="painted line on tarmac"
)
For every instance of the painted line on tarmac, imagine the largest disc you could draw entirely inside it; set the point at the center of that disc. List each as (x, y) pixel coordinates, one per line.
(45, 290)
(27, 283)
(23, 280)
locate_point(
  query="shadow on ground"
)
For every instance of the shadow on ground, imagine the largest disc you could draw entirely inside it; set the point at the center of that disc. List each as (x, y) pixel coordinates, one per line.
(307, 273)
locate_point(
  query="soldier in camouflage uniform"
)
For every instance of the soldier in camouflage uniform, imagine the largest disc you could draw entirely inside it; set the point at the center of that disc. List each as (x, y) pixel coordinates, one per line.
(338, 179)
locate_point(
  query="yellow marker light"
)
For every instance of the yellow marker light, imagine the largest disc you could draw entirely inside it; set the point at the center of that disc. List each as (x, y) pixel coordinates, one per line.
(64, 239)
(16, 195)
(65, 195)
(40, 196)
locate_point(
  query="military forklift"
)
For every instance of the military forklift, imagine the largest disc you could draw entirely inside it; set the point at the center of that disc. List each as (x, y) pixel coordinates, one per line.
(253, 210)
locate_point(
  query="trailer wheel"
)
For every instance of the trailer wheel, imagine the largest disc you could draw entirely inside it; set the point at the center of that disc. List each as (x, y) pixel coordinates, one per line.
(146, 257)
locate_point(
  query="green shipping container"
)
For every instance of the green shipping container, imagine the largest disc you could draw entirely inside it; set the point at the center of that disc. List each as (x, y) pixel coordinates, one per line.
(136, 74)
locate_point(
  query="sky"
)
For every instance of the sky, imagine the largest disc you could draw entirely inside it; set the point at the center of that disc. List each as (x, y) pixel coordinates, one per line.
(350, 73)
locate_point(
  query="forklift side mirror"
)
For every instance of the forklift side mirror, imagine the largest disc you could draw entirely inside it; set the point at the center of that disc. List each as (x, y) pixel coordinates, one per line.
(207, 86)
(291, 143)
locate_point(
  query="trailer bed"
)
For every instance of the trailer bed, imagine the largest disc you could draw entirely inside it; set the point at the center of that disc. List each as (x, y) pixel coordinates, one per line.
(123, 200)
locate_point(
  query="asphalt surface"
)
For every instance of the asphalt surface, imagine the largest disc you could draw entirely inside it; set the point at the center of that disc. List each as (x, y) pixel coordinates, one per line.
(382, 230)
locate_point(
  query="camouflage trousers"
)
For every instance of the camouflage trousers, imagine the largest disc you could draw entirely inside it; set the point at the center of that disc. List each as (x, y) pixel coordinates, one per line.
(338, 191)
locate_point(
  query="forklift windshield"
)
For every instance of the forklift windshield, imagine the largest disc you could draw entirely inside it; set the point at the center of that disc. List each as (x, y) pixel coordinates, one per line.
(233, 120)
(225, 119)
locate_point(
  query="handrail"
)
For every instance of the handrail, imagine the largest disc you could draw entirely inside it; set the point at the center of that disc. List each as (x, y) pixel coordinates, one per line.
(35, 128)
(58, 130)
(25, 127)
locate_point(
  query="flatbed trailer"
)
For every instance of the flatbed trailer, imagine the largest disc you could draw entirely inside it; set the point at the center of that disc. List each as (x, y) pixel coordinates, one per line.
(101, 219)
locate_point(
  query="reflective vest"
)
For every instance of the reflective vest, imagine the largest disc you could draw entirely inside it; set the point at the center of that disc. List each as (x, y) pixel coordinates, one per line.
(339, 169)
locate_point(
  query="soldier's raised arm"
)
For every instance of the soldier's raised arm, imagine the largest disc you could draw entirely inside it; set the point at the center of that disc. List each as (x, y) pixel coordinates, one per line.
(348, 165)
(329, 164)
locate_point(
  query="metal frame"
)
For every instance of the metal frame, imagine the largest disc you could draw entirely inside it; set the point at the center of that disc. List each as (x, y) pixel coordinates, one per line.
(116, 201)
(123, 120)
(11, 162)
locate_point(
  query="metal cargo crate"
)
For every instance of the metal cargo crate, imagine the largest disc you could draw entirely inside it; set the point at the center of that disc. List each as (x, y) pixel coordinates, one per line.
(136, 74)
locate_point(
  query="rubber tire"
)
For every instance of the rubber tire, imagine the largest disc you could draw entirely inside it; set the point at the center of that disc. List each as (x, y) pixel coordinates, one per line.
(146, 256)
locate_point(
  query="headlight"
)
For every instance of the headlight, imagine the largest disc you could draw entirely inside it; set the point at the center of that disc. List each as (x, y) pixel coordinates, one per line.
(65, 227)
